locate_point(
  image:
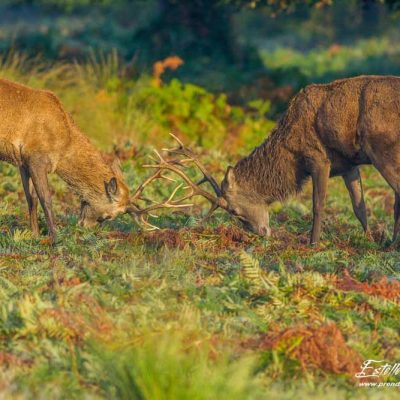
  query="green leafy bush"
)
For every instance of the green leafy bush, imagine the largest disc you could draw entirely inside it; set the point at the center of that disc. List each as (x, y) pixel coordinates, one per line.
(205, 118)
(109, 107)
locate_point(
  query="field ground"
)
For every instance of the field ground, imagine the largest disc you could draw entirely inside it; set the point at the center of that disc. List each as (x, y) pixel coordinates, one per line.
(190, 311)
(197, 311)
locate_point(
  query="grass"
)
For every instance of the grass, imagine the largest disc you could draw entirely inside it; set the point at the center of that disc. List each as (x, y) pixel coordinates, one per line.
(190, 311)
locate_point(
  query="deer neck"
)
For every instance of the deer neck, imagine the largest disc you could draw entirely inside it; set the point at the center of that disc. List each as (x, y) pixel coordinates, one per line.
(84, 169)
(271, 172)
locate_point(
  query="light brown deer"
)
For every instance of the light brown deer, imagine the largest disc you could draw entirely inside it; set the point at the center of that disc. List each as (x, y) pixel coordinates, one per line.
(328, 130)
(39, 137)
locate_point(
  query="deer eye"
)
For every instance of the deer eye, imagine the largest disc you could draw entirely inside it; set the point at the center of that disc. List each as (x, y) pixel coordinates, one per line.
(236, 212)
(233, 211)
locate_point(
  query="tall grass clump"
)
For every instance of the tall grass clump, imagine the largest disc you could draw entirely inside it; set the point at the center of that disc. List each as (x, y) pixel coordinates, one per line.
(88, 91)
(110, 106)
(164, 367)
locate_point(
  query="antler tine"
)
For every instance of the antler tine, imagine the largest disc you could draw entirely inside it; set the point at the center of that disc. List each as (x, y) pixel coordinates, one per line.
(183, 150)
(156, 175)
(210, 211)
(140, 213)
(169, 203)
(177, 139)
(196, 190)
(140, 189)
(147, 223)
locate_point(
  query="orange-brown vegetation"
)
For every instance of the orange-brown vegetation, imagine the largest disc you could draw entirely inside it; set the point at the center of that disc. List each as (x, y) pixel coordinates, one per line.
(315, 347)
(219, 238)
(159, 67)
(383, 288)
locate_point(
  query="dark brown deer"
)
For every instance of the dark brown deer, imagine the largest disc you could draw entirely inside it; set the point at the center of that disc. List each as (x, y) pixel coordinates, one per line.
(328, 130)
(39, 137)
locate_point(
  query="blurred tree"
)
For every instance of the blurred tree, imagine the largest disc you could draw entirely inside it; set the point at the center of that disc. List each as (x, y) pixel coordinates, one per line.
(201, 28)
(276, 6)
(202, 33)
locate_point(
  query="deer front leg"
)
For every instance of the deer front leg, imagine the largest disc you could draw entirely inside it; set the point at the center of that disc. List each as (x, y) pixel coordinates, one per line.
(354, 185)
(396, 227)
(320, 176)
(31, 198)
(38, 172)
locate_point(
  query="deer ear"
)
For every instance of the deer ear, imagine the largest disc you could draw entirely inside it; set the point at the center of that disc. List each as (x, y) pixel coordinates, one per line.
(116, 166)
(111, 187)
(230, 176)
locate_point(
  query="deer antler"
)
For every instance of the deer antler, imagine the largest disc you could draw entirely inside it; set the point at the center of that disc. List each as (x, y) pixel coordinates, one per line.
(194, 188)
(190, 157)
(140, 213)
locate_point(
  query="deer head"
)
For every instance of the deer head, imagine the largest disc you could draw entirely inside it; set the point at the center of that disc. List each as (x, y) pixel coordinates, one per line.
(245, 205)
(113, 201)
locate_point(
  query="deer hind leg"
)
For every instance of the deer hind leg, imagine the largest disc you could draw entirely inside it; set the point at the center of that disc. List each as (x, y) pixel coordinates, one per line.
(38, 170)
(354, 185)
(320, 176)
(389, 167)
(31, 198)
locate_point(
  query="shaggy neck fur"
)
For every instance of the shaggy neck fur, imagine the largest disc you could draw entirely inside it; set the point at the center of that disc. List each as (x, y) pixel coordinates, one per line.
(84, 169)
(271, 171)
